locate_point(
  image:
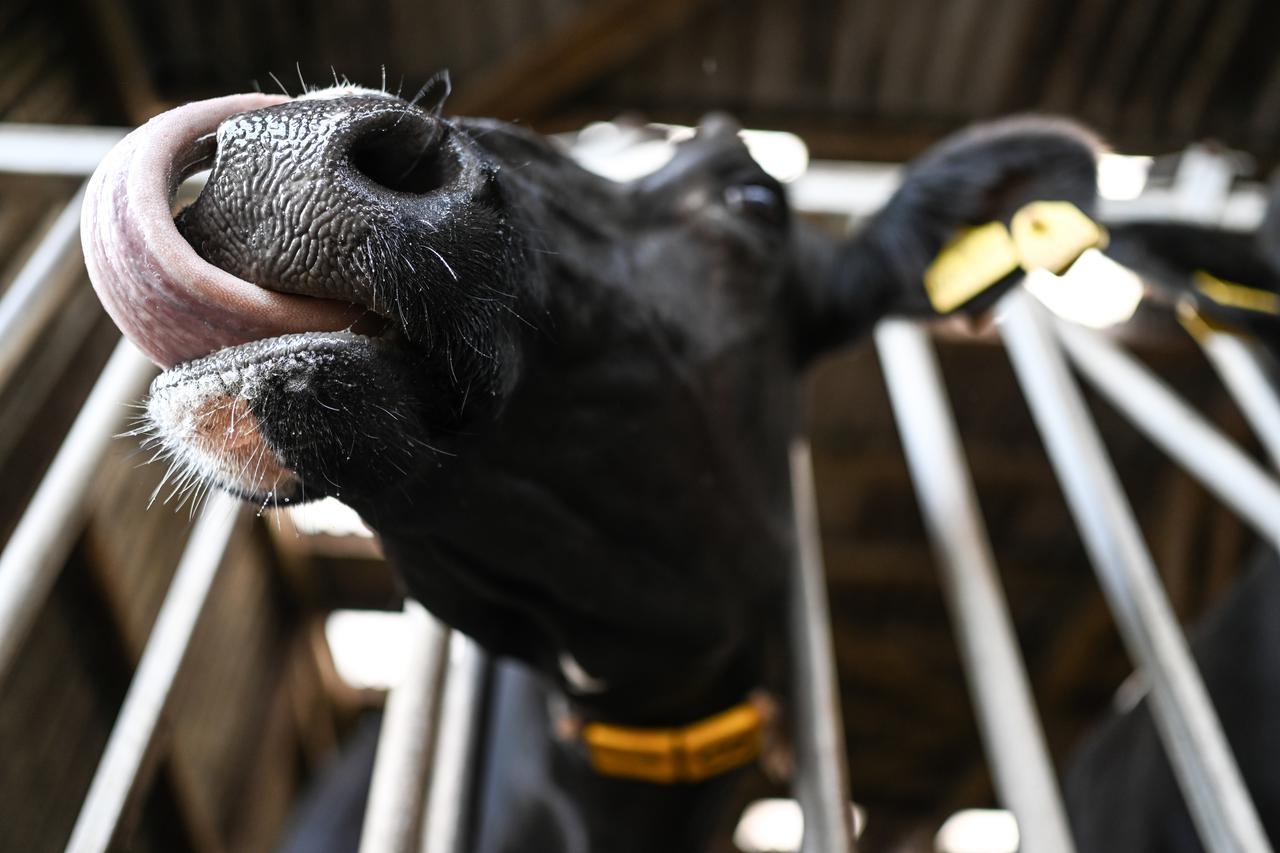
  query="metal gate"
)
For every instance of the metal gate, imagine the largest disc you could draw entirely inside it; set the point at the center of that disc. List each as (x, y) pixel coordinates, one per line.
(423, 774)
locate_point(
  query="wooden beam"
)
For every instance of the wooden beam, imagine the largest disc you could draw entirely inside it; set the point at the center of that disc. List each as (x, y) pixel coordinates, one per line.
(961, 20)
(998, 66)
(1174, 38)
(1265, 123)
(115, 36)
(1073, 654)
(1062, 88)
(908, 46)
(600, 38)
(1120, 61)
(1226, 28)
(857, 26)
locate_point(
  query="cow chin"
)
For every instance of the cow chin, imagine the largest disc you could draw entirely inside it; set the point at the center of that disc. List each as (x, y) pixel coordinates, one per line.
(288, 419)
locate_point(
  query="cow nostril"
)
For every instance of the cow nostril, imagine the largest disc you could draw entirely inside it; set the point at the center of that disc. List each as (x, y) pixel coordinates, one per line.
(403, 155)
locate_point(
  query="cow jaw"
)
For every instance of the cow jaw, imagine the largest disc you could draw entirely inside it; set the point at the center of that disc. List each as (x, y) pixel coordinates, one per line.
(292, 418)
(202, 416)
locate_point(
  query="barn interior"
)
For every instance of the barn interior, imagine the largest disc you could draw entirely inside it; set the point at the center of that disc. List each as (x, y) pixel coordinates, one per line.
(260, 707)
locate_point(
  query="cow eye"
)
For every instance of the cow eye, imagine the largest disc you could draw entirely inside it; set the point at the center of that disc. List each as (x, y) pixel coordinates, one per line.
(759, 201)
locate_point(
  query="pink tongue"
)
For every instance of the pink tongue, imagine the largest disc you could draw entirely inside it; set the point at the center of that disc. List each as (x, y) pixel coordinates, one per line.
(168, 300)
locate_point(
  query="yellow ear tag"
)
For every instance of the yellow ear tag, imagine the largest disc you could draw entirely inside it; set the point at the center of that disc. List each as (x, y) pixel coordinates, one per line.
(1195, 324)
(974, 260)
(1052, 234)
(1234, 295)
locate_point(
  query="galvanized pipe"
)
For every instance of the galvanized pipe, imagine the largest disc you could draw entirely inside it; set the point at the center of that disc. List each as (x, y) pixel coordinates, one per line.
(407, 741)
(37, 290)
(1189, 728)
(55, 149)
(452, 783)
(1024, 776)
(1192, 442)
(134, 734)
(39, 545)
(820, 784)
(1245, 378)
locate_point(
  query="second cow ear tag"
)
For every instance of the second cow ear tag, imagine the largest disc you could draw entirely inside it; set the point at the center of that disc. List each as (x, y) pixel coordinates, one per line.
(1050, 235)
(1239, 296)
(974, 260)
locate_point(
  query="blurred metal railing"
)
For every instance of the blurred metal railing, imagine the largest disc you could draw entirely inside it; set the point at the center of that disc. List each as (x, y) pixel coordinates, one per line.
(1189, 728)
(406, 745)
(133, 738)
(39, 545)
(423, 777)
(821, 784)
(1006, 712)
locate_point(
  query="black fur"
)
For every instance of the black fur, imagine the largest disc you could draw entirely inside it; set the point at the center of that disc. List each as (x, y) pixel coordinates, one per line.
(1120, 790)
(578, 444)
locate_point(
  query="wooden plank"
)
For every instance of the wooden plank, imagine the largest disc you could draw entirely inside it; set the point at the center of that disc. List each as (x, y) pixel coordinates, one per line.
(857, 26)
(1161, 66)
(117, 40)
(959, 23)
(28, 64)
(1121, 60)
(269, 784)
(1204, 71)
(997, 67)
(600, 38)
(776, 55)
(1183, 505)
(908, 43)
(727, 60)
(1062, 89)
(26, 400)
(1265, 123)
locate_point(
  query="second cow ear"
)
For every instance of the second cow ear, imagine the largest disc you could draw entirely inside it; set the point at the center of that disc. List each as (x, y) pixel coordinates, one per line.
(979, 178)
(982, 175)
(1229, 279)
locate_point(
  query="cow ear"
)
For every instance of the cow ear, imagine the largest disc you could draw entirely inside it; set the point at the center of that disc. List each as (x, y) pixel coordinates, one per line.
(981, 175)
(1231, 279)
(978, 177)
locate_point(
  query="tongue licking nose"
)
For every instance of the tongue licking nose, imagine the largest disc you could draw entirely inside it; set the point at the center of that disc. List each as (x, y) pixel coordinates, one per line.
(173, 304)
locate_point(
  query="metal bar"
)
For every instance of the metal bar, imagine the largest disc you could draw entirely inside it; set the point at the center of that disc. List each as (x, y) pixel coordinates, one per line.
(407, 740)
(57, 150)
(1192, 442)
(452, 784)
(134, 734)
(1015, 745)
(828, 186)
(1241, 371)
(1192, 736)
(821, 785)
(36, 291)
(39, 544)
(859, 190)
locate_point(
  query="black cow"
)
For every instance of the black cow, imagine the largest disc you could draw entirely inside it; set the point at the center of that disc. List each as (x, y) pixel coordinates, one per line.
(563, 403)
(1120, 789)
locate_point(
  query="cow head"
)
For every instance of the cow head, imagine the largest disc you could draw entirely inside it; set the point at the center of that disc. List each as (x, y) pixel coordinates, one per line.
(563, 402)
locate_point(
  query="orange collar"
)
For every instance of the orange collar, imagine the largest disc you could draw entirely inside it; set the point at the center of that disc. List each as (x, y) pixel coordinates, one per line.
(691, 753)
